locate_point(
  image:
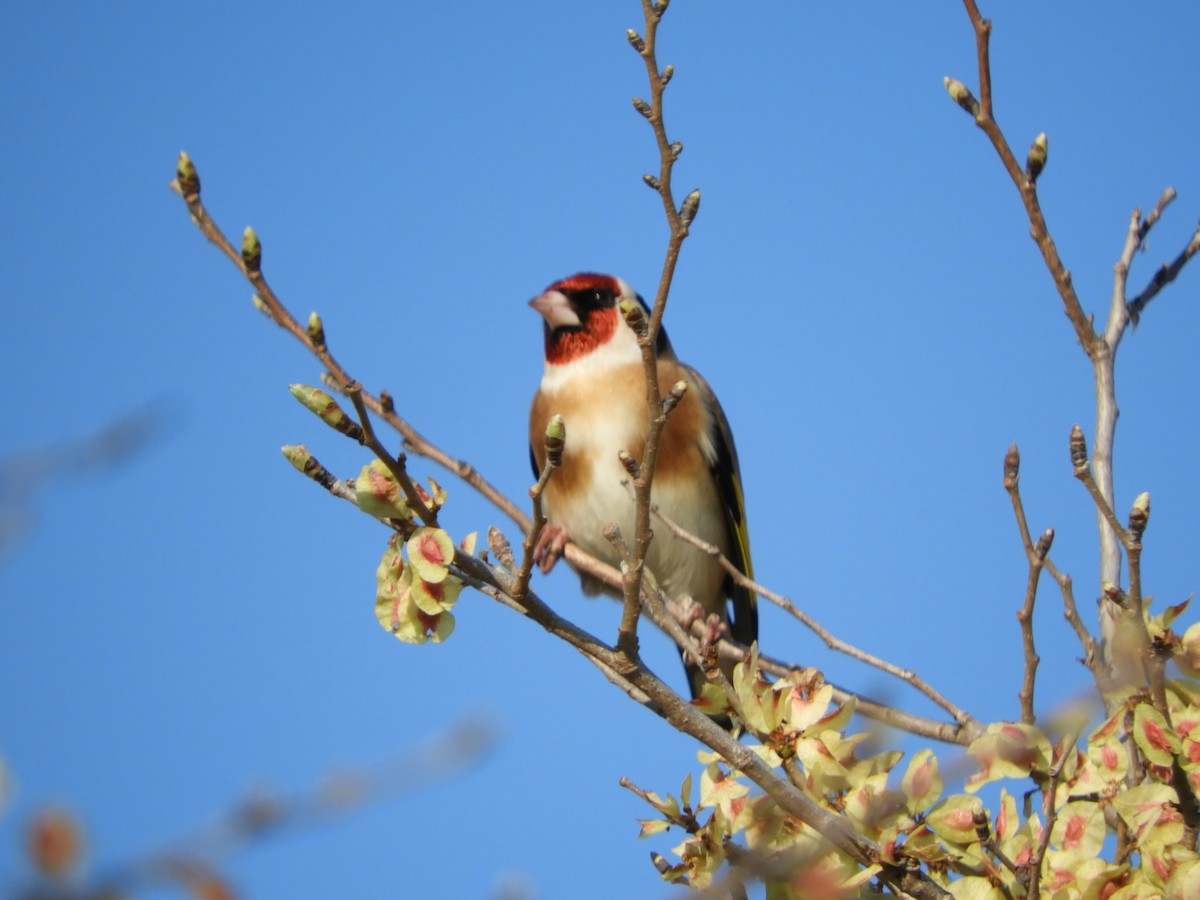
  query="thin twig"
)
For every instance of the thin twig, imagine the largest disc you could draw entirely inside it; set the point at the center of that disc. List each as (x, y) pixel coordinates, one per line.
(1164, 275)
(414, 441)
(1071, 614)
(538, 523)
(960, 716)
(396, 464)
(656, 417)
(1027, 186)
(1051, 808)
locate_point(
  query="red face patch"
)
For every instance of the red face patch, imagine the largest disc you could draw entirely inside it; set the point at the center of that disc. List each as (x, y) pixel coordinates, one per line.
(566, 344)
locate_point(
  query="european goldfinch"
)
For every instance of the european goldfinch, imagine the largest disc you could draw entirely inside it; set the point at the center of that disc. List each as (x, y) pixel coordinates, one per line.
(593, 378)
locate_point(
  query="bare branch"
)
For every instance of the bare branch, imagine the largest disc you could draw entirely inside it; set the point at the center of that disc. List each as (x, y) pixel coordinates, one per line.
(968, 722)
(1026, 186)
(1165, 274)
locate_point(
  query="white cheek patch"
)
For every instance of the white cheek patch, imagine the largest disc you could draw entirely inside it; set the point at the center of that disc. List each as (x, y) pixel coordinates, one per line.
(619, 351)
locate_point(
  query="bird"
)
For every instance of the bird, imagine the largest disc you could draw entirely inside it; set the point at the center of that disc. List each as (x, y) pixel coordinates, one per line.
(593, 378)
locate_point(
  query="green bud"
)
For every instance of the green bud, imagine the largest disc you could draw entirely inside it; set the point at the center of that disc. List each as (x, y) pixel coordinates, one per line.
(962, 95)
(1139, 516)
(306, 464)
(251, 252)
(186, 177)
(316, 330)
(556, 439)
(635, 317)
(1036, 160)
(326, 408)
(261, 305)
(298, 456)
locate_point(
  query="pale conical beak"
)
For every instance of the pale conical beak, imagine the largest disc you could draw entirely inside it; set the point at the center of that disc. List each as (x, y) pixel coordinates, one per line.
(556, 310)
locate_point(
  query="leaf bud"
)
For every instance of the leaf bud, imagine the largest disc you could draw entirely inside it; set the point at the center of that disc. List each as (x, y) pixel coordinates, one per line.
(1115, 594)
(1042, 547)
(251, 252)
(635, 317)
(642, 106)
(1012, 467)
(651, 182)
(962, 95)
(1079, 453)
(326, 408)
(556, 440)
(1036, 160)
(1139, 516)
(187, 179)
(667, 74)
(306, 464)
(501, 548)
(316, 330)
(628, 463)
(261, 305)
(635, 40)
(678, 392)
(691, 205)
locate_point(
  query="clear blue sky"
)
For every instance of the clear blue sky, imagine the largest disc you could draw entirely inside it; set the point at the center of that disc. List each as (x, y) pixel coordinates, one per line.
(859, 288)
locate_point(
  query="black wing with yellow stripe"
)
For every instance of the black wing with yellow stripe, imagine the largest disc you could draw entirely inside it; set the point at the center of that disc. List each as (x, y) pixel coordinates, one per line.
(743, 618)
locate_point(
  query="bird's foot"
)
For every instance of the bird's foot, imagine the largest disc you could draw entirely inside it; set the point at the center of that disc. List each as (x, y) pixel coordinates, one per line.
(550, 545)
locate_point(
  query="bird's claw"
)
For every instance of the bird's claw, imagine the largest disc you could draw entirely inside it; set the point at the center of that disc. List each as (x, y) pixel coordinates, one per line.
(549, 547)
